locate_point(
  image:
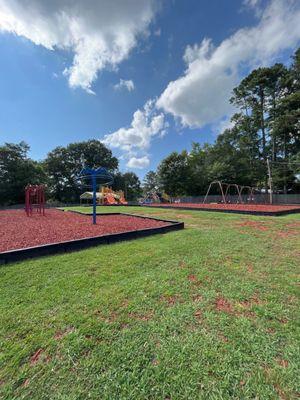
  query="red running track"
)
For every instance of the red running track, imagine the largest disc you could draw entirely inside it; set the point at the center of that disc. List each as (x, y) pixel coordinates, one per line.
(234, 207)
(17, 231)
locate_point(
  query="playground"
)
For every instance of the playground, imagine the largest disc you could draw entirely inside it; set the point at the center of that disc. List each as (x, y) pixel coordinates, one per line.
(54, 231)
(212, 306)
(230, 198)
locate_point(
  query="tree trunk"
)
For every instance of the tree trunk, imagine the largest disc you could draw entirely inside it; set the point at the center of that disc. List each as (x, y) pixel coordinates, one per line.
(263, 131)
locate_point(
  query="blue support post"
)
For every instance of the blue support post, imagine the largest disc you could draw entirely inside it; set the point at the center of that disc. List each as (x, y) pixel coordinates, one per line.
(94, 199)
(93, 175)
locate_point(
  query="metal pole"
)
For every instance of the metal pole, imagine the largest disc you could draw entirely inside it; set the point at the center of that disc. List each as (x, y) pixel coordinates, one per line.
(94, 198)
(207, 193)
(270, 181)
(221, 187)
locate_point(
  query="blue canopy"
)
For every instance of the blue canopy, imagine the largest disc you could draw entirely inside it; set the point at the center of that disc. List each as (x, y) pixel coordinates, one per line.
(101, 174)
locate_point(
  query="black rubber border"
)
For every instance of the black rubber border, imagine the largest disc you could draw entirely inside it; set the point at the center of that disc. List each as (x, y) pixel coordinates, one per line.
(79, 244)
(258, 213)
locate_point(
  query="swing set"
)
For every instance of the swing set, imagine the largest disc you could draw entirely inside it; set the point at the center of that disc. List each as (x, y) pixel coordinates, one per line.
(226, 190)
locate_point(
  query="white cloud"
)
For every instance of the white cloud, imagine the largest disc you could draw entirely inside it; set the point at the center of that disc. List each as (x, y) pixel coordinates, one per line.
(201, 95)
(138, 163)
(100, 33)
(145, 125)
(125, 84)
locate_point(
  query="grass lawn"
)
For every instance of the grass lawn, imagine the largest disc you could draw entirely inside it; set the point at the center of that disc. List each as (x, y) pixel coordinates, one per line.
(210, 312)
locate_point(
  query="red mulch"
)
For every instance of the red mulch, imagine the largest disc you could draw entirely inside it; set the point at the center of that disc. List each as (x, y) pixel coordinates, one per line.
(237, 207)
(17, 231)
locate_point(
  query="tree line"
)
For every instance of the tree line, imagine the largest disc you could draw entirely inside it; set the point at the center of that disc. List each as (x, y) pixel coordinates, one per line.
(59, 171)
(266, 126)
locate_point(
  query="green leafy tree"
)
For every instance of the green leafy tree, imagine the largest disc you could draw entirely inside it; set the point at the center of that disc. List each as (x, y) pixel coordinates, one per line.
(150, 182)
(174, 173)
(130, 183)
(17, 170)
(63, 165)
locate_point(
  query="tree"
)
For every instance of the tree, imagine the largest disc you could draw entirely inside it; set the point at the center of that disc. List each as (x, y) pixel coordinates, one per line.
(150, 182)
(269, 113)
(174, 173)
(16, 171)
(251, 97)
(63, 165)
(129, 183)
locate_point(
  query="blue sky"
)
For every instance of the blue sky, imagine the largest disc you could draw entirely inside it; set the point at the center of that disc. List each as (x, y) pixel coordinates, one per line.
(178, 61)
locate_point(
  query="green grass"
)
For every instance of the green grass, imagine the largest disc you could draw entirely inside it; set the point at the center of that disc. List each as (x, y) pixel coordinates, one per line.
(210, 312)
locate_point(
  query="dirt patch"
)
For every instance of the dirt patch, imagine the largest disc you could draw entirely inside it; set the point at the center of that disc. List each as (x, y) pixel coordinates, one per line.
(244, 307)
(280, 392)
(155, 361)
(240, 309)
(295, 224)
(250, 302)
(109, 319)
(256, 225)
(283, 321)
(124, 303)
(282, 363)
(271, 331)
(223, 338)
(197, 298)
(36, 356)
(39, 355)
(250, 268)
(221, 304)
(198, 314)
(141, 317)
(26, 383)
(194, 280)
(171, 300)
(287, 233)
(61, 334)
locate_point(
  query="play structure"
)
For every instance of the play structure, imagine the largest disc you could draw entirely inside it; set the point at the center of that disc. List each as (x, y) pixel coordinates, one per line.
(93, 177)
(108, 196)
(228, 191)
(105, 196)
(35, 199)
(156, 197)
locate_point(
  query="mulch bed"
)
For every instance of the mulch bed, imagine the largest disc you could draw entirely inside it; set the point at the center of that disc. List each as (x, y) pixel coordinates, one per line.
(259, 209)
(17, 231)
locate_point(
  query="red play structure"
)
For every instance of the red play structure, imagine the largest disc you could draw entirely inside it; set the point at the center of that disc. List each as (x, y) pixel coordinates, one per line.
(35, 199)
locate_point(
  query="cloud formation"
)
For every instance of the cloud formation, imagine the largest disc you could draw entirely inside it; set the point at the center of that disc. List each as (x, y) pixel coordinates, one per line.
(138, 163)
(146, 124)
(100, 33)
(201, 95)
(125, 84)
